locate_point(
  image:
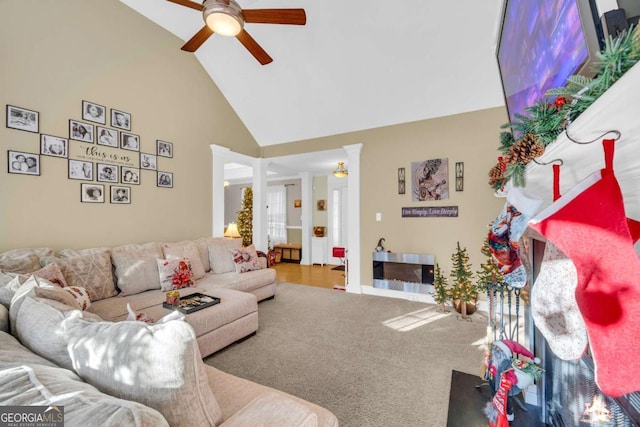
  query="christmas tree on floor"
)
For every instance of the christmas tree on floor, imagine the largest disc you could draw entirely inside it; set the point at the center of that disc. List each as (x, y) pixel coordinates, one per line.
(489, 277)
(440, 288)
(463, 290)
(245, 217)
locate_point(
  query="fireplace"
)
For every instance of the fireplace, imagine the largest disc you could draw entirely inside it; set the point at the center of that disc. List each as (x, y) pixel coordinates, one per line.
(403, 271)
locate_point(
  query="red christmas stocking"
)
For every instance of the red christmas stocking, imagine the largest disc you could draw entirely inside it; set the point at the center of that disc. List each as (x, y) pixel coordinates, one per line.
(589, 225)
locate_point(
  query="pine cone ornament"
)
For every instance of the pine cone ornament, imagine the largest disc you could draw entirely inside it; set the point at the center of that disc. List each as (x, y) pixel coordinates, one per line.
(496, 174)
(525, 149)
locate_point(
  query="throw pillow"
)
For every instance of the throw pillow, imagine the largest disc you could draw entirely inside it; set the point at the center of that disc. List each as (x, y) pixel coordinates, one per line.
(136, 268)
(174, 274)
(9, 285)
(246, 259)
(91, 271)
(23, 260)
(158, 365)
(186, 249)
(80, 295)
(203, 248)
(219, 257)
(52, 273)
(60, 295)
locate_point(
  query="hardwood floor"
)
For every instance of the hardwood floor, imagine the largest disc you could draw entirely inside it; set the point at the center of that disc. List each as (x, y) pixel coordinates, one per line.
(312, 275)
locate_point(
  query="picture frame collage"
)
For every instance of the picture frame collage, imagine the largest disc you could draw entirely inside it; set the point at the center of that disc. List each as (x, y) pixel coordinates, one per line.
(91, 129)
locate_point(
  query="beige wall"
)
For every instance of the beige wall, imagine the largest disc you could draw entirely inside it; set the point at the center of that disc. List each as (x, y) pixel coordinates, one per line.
(471, 138)
(56, 54)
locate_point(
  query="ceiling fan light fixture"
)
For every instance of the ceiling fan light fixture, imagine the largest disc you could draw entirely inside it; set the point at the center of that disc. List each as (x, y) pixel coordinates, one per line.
(341, 172)
(224, 19)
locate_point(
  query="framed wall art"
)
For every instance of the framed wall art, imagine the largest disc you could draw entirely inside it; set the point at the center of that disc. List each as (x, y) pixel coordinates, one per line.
(120, 119)
(459, 176)
(297, 203)
(129, 141)
(54, 146)
(80, 131)
(79, 169)
(120, 195)
(91, 193)
(401, 181)
(24, 163)
(165, 179)
(148, 161)
(106, 136)
(164, 148)
(23, 119)
(129, 175)
(107, 173)
(94, 112)
(321, 205)
(430, 180)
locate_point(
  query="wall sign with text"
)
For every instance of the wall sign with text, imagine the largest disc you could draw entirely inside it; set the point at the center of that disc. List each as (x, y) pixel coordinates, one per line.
(430, 211)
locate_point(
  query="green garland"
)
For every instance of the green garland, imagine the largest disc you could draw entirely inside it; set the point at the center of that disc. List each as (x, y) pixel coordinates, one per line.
(550, 116)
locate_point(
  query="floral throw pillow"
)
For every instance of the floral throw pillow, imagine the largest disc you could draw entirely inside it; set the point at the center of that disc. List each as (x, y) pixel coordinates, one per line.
(81, 295)
(175, 273)
(246, 259)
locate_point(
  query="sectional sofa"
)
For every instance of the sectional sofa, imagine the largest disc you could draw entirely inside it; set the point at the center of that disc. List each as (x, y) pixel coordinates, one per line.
(86, 354)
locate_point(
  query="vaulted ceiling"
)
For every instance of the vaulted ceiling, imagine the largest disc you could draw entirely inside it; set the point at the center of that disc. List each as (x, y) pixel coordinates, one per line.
(356, 64)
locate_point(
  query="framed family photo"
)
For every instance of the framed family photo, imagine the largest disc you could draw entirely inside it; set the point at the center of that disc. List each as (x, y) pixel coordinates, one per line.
(165, 179)
(129, 141)
(129, 175)
(80, 131)
(94, 112)
(107, 173)
(79, 169)
(23, 119)
(91, 193)
(24, 163)
(120, 119)
(164, 148)
(120, 195)
(54, 146)
(148, 161)
(106, 136)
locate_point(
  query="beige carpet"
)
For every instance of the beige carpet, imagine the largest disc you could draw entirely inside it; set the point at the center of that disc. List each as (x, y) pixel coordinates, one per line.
(373, 361)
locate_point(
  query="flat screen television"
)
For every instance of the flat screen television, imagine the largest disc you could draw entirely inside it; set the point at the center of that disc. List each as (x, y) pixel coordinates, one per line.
(541, 44)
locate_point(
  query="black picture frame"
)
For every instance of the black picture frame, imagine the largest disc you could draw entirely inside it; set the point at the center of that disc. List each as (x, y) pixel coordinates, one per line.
(80, 170)
(54, 146)
(107, 137)
(148, 161)
(81, 131)
(129, 175)
(164, 148)
(120, 119)
(23, 119)
(106, 173)
(164, 179)
(129, 141)
(459, 176)
(23, 163)
(120, 195)
(94, 112)
(401, 181)
(91, 193)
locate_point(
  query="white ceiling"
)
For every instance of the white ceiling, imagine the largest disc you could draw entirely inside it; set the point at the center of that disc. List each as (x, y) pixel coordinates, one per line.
(356, 64)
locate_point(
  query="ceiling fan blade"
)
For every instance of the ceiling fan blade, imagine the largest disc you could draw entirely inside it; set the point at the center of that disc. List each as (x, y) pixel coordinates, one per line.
(275, 16)
(252, 46)
(187, 3)
(196, 41)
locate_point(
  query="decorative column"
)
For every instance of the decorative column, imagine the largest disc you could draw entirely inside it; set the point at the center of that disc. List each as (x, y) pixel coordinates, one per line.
(219, 156)
(354, 254)
(260, 204)
(307, 212)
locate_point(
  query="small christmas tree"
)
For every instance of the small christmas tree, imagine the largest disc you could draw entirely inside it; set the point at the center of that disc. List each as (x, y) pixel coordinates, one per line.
(245, 217)
(489, 277)
(463, 288)
(440, 288)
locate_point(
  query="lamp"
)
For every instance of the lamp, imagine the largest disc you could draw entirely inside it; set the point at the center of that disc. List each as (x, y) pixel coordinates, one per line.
(224, 17)
(232, 231)
(341, 172)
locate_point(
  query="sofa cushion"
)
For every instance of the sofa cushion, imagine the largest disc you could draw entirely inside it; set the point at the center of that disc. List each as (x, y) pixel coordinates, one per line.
(175, 273)
(38, 326)
(246, 259)
(273, 409)
(203, 249)
(185, 249)
(90, 271)
(23, 260)
(28, 379)
(4, 318)
(158, 365)
(9, 286)
(25, 290)
(245, 282)
(220, 256)
(136, 268)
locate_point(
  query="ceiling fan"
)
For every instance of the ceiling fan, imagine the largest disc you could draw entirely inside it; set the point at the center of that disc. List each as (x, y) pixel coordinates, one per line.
(227, 18)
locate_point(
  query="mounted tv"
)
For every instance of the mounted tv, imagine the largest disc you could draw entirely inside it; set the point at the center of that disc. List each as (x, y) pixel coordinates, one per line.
(541, 44)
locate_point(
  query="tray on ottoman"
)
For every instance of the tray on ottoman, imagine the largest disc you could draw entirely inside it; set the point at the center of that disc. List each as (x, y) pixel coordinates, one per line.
(194, 302)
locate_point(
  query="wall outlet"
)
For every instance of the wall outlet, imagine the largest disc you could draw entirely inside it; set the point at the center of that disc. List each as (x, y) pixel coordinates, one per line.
(378, 216)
